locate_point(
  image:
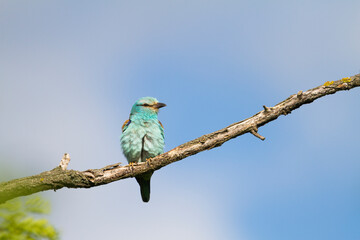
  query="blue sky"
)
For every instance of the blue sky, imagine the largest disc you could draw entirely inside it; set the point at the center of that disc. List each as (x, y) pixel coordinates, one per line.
(71, 70)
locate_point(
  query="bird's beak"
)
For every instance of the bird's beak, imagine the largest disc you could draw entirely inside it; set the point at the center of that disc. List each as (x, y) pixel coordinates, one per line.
(159, 105)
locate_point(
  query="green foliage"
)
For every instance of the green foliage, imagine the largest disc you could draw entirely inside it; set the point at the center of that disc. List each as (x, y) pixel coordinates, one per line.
(18, 222)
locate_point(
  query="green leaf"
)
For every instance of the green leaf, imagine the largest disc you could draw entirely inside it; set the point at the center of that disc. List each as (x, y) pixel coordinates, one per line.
(18, 222)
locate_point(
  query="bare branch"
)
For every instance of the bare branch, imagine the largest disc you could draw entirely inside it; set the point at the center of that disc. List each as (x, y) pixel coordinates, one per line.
(60, 177)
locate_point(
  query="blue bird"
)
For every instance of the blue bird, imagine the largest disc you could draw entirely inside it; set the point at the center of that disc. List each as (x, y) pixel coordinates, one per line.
(143, 137)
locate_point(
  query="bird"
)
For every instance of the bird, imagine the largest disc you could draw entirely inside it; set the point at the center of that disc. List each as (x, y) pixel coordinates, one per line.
(142, 138)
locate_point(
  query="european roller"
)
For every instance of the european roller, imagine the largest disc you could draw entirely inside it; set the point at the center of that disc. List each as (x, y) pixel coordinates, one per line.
(143, 137)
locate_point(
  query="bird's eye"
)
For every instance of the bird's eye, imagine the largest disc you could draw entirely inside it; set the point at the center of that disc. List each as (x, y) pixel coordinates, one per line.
(146, 105)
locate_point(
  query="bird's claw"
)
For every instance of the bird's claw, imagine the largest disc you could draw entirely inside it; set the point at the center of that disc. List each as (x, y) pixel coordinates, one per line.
(148, 162)
(131, 165)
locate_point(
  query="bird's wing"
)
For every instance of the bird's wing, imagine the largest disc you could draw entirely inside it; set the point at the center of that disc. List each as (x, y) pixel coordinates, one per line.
(125, 125)
(161, 124)
(161, 129)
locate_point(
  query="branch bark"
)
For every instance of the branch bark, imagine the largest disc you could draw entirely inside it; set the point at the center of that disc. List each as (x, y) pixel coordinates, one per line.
(59, 177)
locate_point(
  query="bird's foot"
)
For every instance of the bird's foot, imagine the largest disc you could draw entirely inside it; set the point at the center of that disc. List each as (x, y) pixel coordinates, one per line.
(148, 162)
(131, 165)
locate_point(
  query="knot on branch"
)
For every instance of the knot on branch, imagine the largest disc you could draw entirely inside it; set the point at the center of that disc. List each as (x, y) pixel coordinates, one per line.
(92, 174)
(343, 86)
(299, 94)
(285, 111)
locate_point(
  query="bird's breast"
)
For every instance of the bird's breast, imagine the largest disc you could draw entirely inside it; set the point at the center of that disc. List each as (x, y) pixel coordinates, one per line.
(142, 140)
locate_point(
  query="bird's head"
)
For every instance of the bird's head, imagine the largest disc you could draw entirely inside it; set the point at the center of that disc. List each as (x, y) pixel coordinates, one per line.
(147, 106)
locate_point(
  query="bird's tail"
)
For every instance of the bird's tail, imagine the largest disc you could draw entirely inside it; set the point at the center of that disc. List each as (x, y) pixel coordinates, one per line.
(144, 182)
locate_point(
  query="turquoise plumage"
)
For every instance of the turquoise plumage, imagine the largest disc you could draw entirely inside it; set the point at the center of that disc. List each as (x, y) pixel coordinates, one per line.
(143, 137)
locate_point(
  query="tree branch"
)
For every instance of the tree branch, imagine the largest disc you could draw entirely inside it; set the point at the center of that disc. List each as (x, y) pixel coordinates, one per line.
(59, 177)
